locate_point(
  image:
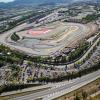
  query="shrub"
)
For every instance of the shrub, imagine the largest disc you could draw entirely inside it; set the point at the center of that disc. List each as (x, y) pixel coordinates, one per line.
(15, 37)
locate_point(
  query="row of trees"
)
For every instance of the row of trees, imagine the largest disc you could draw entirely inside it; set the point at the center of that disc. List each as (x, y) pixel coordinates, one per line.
(15, 87)
(68, 76)
(78, 52)
(10, 56)
(90, 18)
(83, 97)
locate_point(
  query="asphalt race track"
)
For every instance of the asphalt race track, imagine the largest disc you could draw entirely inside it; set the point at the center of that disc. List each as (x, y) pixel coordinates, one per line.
(50, 38)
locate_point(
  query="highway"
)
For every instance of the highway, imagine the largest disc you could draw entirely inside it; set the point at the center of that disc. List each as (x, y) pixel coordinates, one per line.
(62, 89)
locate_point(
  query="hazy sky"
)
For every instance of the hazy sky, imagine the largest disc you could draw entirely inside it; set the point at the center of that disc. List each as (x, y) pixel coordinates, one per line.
(13, 0)
(6, 0)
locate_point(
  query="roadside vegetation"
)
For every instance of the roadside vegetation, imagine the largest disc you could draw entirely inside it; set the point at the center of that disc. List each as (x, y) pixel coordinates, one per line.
(78, 51)
(15, 87)
(8, 56)
(69, 76)
(90, 18)
(83, 93)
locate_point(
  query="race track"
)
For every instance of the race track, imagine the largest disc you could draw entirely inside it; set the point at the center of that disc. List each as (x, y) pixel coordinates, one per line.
(51, 38)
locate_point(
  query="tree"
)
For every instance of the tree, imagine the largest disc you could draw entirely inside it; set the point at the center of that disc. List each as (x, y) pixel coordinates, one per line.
(77, 98)
(84, 95)
(30, 63)
(15, 71)
(15, 37)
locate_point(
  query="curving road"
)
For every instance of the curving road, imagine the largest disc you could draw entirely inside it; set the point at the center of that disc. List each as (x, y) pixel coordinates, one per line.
(85, 55)
(62, 89)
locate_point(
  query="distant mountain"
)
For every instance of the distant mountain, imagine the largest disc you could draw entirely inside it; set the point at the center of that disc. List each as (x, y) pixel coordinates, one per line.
(33, 2)
(36, 2)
